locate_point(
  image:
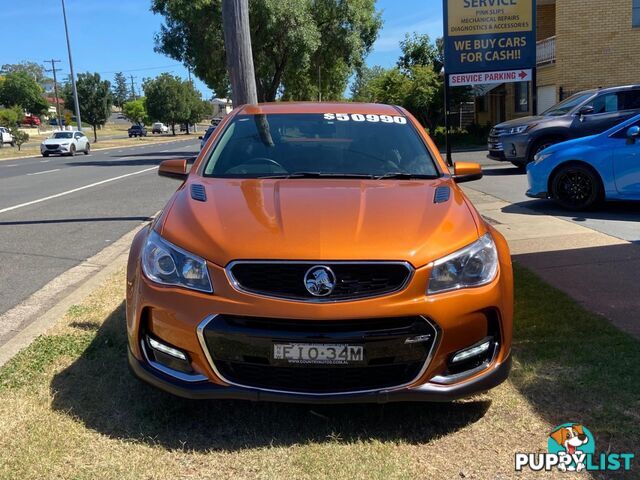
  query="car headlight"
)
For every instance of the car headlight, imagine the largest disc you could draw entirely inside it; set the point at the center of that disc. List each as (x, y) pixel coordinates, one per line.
(472, 266)
(517, 130)
(539, 157)
(166, 264)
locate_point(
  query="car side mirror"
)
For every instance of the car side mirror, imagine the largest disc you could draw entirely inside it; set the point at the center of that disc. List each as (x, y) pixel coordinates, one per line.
(632, 134)
(586, 110)
(466, 172)
(173, 169)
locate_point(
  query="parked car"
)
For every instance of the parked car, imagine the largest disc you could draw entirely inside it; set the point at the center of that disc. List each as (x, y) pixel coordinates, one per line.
(207, 134)
(137, 131)
(65, 143)
(585, 113)
(283, 271)
(582, 172)
(6, 138)
(159, 127)
(183, 127)
(31, 120)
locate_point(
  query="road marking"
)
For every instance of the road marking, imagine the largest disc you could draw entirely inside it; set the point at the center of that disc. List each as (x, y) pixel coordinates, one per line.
(14, 165)
(45, 161)
(68, 192)
(45, 171)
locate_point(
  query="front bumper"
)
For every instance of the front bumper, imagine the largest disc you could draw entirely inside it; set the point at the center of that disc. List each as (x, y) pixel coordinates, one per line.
(60, 150)
(508, 148)
(493, 377)
(537, 181)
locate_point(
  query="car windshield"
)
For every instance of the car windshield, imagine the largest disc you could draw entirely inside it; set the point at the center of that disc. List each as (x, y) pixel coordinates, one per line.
(62, 135)
(318, 145)
(567, 105)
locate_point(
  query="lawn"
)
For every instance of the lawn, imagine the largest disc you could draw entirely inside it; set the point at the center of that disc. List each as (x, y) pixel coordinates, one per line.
(70, 409)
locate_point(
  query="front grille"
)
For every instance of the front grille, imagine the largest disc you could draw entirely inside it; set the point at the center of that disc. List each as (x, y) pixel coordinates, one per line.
(352, 280)
(241, 351)
(52, 146)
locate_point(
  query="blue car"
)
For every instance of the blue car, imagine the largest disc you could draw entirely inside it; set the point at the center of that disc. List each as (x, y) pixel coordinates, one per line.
(580, 173)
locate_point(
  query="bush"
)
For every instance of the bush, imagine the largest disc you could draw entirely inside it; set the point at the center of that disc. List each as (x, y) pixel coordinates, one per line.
(19, 137)
(473, 135)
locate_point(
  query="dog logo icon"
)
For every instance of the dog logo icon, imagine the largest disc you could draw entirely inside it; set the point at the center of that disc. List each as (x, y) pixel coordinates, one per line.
(574, 441)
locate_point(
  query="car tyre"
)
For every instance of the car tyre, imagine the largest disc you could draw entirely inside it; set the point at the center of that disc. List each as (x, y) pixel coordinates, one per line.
(45, 154)
(87, 149)
(576, 187)
(130, 135)
(72, 150)
(522, 166)
(541, 145)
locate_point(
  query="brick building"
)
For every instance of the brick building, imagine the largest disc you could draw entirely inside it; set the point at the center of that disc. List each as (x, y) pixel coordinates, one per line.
(581, 44)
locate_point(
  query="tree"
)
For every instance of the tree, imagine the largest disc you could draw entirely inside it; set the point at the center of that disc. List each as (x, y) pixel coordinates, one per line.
(135, 111)
(19, 137)
(32, 69)
(9, 117)
(292, 41)
(360, 88)
(166, 100)
(196, 107)
(120, 90)
(417, 49)
(19, 88)
(94, 97)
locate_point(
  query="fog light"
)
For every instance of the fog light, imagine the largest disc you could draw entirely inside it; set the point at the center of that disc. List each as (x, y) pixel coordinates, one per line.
(166, 349)
(471, 352)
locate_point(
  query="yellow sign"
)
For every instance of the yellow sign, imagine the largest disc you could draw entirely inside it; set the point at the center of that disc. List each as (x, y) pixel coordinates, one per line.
(482, 17)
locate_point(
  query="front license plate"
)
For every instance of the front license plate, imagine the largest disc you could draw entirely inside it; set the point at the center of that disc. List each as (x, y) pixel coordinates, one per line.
(318, 353)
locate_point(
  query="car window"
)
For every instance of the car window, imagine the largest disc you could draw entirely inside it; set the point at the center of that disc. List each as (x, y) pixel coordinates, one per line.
(568, 104)
(622, 133)
(630, 100)
(330, 144)
(62, 135)
(607, 103)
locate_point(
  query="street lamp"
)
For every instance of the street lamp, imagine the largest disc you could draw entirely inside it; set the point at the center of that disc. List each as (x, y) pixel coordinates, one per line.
(73, 76)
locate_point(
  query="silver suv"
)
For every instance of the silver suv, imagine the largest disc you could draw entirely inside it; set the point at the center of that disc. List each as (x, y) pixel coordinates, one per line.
(585, 113)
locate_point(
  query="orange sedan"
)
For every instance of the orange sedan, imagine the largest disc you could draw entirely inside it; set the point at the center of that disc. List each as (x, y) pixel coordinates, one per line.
(320, 252)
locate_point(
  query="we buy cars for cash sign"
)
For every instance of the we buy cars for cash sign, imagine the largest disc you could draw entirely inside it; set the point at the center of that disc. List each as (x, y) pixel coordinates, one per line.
(489, 36)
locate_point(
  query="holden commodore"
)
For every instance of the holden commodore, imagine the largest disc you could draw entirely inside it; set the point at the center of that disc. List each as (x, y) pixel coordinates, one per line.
(320, 252)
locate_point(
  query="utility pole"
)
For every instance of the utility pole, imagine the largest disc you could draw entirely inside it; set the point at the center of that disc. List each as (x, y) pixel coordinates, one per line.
(73, 76)
(237, 42)
(133, 88)
(55, 89)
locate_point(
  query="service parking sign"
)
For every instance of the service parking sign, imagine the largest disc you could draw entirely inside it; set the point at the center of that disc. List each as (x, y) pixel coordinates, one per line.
(489, 35)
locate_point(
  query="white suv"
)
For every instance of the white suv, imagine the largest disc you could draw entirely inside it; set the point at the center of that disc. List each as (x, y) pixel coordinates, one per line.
(6, 137)
(159, 127)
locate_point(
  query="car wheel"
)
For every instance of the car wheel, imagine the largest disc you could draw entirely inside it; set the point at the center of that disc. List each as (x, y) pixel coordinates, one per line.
(13, 144)
(576, 187)
(541, 145)
(45, 154)
(520, 165)
(72, 150)
(87, 149)
(130, 135)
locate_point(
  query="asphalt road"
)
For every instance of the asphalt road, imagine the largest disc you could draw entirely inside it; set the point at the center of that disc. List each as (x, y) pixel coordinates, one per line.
(57, 212)
(502, 180)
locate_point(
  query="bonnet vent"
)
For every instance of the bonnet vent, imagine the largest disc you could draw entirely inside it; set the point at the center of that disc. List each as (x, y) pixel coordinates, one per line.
(198, 192)
(442, 194)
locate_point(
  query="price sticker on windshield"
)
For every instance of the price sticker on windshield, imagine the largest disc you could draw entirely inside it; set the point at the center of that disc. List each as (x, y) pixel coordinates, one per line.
(372, 118)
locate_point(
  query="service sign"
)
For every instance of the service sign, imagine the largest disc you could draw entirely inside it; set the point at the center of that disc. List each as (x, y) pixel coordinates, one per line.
(489, 35)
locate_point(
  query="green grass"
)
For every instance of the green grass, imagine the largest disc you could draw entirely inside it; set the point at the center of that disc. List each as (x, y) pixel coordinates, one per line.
(69, 401)
(573, 365)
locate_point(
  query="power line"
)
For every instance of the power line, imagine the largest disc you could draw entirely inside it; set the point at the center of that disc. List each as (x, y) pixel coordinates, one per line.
(143, 69)
(55, 88)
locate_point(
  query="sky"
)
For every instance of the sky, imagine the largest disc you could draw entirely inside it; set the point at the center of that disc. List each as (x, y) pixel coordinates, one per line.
(109, 36)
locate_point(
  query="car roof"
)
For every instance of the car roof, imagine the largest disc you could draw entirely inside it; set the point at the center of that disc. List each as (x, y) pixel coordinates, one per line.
(615, 89)
(319, 107)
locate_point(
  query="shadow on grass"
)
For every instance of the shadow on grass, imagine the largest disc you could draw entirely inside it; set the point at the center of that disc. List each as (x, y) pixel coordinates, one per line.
(574, 366)
(98, 390)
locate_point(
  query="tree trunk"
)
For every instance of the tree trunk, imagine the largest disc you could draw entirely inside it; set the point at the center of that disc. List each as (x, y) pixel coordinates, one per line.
(237, 42)
(95, 134)
(173, 128)
(187, 125)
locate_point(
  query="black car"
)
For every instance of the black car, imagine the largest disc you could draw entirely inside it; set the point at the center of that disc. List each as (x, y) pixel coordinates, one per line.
(137, 131)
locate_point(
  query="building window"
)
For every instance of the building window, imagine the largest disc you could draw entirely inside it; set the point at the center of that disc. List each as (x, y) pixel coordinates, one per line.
(636, 13)
(521, 97)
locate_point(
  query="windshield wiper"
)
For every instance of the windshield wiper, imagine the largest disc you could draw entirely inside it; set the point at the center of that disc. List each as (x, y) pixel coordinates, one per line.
(317, 175)
(404, 176)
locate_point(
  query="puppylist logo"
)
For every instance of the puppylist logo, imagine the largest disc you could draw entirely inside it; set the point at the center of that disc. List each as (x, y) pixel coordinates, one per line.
(572, 448)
